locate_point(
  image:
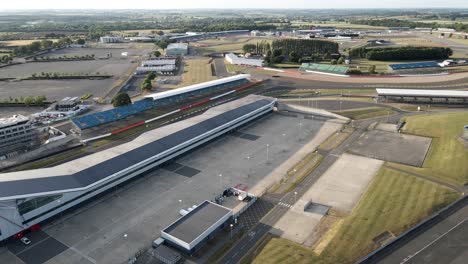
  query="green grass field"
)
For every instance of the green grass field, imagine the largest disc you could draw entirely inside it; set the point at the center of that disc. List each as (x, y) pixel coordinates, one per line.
(447, 159)
(394, 202)
(196, 71)
(234, 68)
(364, 113)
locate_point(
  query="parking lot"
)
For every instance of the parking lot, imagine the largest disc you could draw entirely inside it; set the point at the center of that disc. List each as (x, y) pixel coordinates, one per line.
(116, 65)
(94, 233)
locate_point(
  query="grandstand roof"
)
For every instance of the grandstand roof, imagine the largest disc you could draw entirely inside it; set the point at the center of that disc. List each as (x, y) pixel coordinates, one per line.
(117, 113)
(414, 65)
(324, 68)
(168, 67)
(157, 96)
(423, 93)
(158, 62)
(86, 172)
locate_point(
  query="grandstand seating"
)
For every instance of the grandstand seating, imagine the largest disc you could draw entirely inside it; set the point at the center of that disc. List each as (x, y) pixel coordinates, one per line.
(414, 65)
(96, 119)
(324, 68)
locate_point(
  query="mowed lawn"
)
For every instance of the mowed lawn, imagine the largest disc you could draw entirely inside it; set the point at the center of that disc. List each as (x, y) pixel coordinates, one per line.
(196, 71)
(447, 159)
(394, 202)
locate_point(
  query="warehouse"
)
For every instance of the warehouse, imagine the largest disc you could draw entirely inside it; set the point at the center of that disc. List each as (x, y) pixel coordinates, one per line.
(33, 196)
(423, 96)
(190, 231)
(177, 49)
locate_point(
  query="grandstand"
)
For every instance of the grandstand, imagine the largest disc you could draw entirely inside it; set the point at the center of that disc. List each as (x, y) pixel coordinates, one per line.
(423, 96)
(159, 100)
(414, 65)
(96, 119)
(325, 68)
(180, 94)
(33, 196)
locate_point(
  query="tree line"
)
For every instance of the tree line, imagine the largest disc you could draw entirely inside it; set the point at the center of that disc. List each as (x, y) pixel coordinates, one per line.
(402, 53)
(40, 45)
(391, 22)
(305, 47)
(27, 100)
(259, 48)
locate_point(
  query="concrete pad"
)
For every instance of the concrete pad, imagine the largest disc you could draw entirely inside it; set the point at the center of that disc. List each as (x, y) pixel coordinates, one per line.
(343, 184)
(297, 225)
(309, 111)
(386, 127)
(391, 146)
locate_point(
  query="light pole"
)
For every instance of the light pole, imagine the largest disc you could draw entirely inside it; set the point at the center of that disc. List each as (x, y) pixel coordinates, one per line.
(125, 236)
(300, 131)
(341, 102)
(248, 165)
(267, 153)
(295, 197)
(231, 225)
(221, 180)
(284, 146)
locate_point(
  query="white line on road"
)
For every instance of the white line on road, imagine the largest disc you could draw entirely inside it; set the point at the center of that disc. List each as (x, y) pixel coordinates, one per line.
(435, 240)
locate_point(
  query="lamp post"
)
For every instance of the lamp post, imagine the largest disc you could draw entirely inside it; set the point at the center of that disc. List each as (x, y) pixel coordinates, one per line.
(300, 131)
(248, 165)
(231, 225)
(284, 146)
(125, 236)
(221, 180)
(295, 197)
(267, 153)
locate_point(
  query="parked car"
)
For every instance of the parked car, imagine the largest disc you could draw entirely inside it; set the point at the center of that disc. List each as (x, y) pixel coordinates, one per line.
(25, 240)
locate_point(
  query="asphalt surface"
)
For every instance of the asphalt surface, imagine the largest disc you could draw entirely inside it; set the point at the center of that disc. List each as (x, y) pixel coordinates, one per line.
(444, 242)
(295, 83)
(248, 242)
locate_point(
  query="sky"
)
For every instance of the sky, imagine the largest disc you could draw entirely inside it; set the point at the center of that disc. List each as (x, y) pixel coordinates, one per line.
(189, 4)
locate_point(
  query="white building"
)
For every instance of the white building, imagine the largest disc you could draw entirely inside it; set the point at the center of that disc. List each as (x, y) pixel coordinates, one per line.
(177, 49)
(111, 39)
(15, 132)
(233, 59)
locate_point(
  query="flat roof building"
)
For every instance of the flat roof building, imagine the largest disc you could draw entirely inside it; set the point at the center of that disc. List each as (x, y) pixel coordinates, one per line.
(190, 231)
(177, 49)
(423, 96)
(111, 39)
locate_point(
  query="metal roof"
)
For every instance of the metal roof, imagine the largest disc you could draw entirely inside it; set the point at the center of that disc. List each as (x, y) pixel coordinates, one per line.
(423, 93)
(414, 65)
(97, 168)
(195, 87)
(198, 221)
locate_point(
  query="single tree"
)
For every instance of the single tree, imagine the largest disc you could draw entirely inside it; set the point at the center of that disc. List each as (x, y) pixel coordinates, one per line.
(121, 99)
(157, 53)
